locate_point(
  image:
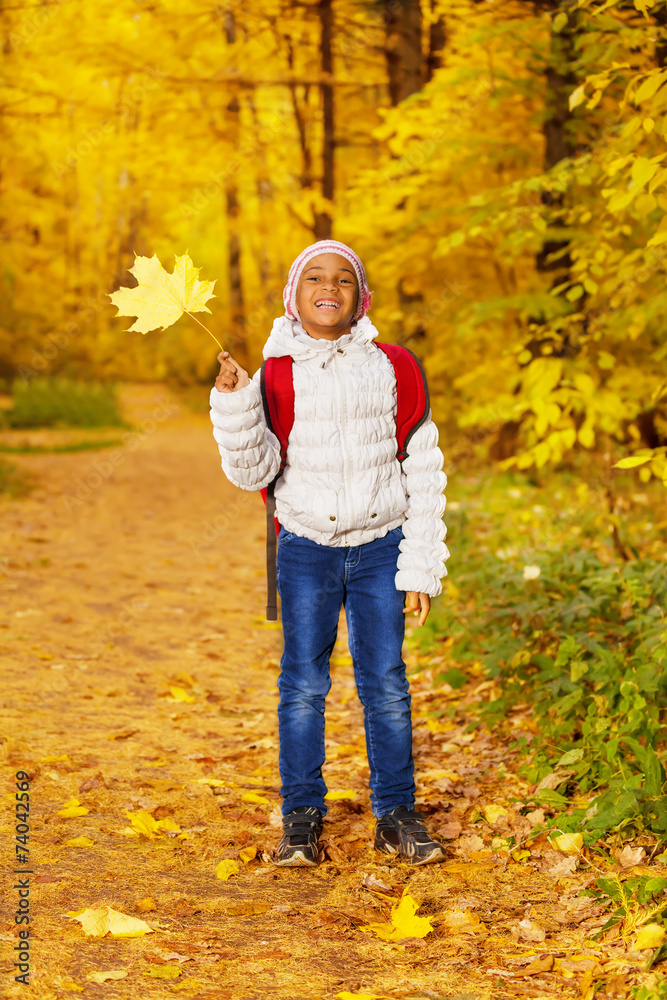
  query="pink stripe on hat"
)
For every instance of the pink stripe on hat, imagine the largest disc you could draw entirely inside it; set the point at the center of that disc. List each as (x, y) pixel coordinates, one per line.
(325, 246)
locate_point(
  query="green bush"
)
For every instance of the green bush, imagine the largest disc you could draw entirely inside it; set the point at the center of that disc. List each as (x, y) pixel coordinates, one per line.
(62, 402)
(584, 644)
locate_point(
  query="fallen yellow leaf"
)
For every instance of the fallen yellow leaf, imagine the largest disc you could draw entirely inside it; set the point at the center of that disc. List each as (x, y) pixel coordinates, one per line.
(226, 869)
(462, 921)
(185, 984)
(492, 813)
(79, 842)
(163, 971)
(435, 773)
(168, 824)
(101, 977)
(649, 936)
(342, 794)
(247, 854)
(97, 921)
(180, 694)
(537, 966)
(53, 759)
(568, 843)
(342, 749)
(146, 905)
(404, 923)
(73, 808)
(360, 996)
(148, 826)
(341, 660)
(258, 800)
(72, 987)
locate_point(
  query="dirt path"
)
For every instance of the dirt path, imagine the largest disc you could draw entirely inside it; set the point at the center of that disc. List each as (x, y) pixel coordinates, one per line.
(139, 675)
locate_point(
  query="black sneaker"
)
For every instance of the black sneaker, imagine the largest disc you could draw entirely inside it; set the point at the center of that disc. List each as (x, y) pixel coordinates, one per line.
(402, 832)
(298, 846)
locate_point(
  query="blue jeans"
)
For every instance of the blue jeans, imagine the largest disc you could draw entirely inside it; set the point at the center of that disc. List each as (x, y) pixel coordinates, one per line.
(314, 581)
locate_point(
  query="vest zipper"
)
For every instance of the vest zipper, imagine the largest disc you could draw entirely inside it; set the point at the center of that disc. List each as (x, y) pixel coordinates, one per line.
(343, 420)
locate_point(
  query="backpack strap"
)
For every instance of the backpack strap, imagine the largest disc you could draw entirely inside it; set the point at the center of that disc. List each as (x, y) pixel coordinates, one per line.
(277, 386)
(412, 396)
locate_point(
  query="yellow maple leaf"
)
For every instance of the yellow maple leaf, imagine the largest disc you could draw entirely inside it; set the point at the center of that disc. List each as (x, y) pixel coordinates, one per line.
(73, 808)
(143, 823)
(101, 977)
(404, 922)
(225, 869)
(97, 921)
(343, 794)
(247, 854)
(253, 797)
(161, 298)
(148, 826)
(79, 842)
(168, 824)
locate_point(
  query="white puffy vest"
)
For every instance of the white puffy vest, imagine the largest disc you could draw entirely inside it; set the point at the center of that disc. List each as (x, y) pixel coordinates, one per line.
(343, 484)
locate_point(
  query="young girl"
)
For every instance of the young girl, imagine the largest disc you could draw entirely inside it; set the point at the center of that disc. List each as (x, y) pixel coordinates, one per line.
(356, 531)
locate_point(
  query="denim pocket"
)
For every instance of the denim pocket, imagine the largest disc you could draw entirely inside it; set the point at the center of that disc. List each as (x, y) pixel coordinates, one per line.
(285, 536)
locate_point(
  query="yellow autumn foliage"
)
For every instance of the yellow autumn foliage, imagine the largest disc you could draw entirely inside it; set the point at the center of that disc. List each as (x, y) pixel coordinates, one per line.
(100, 920)
(403, 921)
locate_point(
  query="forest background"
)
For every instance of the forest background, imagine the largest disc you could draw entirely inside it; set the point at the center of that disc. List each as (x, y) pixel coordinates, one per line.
(501, 169)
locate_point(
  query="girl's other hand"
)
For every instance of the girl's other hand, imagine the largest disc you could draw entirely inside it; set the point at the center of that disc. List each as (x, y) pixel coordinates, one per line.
(415, 601)
(231, 376)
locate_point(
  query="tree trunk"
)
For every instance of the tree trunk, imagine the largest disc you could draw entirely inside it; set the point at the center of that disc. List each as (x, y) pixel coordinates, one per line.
(403, 48)
(323, 222)
(660, 18)
(559, 142)
(437, 39)
(237, 337)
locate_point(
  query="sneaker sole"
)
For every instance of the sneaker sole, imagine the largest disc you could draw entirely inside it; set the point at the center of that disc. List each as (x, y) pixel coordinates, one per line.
(437, 854)
(297, 860)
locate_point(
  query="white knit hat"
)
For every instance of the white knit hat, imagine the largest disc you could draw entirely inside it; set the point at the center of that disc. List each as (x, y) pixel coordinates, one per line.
(325, 246)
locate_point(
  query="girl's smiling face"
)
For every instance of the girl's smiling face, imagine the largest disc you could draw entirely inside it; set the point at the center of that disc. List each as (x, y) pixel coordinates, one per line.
(327, 296)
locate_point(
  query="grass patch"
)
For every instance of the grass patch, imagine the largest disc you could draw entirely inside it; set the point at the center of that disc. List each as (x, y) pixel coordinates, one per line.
(62, 402)
(573, 638)
(57, 449)
(12, 481)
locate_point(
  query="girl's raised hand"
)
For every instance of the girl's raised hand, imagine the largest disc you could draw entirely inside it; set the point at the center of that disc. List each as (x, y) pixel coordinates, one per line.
(231, 376)
(415, 602)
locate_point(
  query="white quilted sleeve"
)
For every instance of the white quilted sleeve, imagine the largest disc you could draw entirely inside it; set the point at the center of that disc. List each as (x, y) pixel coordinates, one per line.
(422, 552)
(249, 451)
